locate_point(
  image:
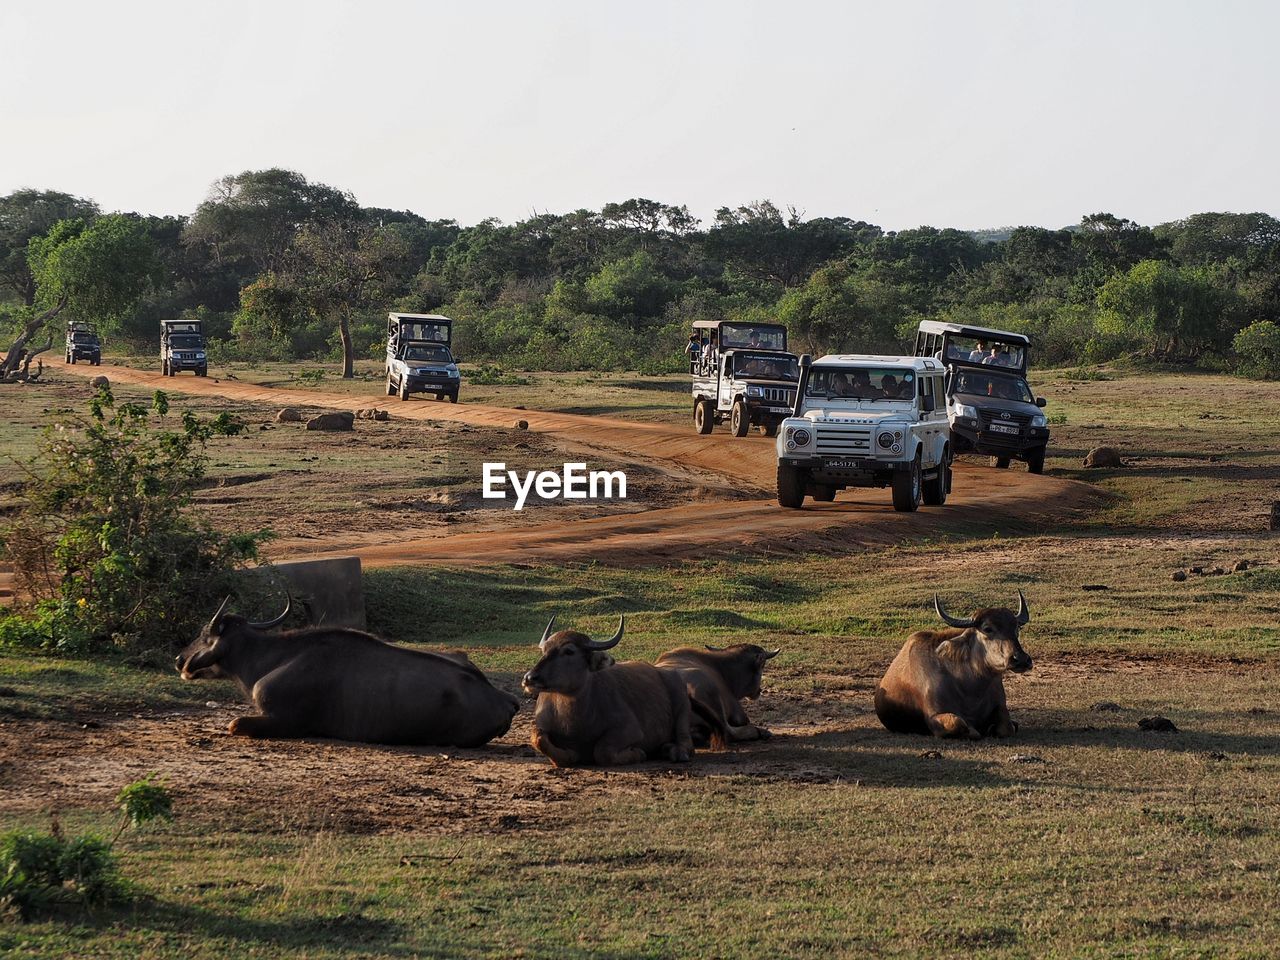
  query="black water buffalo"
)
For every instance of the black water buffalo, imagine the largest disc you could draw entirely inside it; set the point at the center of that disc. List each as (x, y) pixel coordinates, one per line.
(349, 685)
(950, 682)
(717, 680)
(591, 710)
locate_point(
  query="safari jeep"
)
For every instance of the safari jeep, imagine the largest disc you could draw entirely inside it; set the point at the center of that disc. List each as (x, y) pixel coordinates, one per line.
(741, 373)
(83, 343)
(863, 421)
(993, 411)
(418, 356)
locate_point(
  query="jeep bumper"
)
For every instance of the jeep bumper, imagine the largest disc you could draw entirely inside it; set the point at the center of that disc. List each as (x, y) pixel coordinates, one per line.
(847, 471)
(967, 436)
(443, 386)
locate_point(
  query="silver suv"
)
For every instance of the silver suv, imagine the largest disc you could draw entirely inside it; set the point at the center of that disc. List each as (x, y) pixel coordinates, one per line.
(867, 421)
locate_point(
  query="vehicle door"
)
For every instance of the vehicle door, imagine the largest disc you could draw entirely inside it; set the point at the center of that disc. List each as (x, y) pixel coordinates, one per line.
(724, 393)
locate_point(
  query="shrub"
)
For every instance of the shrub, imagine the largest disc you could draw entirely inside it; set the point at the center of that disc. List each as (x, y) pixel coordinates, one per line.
(492, 376)
(105, 542)
(1258, 346)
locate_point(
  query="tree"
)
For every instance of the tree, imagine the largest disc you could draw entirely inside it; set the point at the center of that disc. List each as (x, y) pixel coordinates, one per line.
(758, 240)
(330, 272)
(1171, 311)
(94, 272)
(25, 214)
(250, 219)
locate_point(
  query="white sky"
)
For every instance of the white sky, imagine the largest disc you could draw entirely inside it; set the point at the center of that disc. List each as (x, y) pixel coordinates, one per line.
(965, 114)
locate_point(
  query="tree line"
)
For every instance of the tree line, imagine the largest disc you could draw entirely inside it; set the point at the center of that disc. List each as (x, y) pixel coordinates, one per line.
(279, 267)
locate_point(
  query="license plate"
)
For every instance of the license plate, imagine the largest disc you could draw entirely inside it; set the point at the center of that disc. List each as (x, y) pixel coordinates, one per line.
(1004, 428)
(844, 464)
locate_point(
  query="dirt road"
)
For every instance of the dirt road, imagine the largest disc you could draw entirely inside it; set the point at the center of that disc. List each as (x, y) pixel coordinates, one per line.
(983, 499)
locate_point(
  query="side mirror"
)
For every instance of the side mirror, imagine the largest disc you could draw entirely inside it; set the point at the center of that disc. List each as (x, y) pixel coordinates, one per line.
(456, 361)
(1040, 401)
(928, 404)
(806, 360)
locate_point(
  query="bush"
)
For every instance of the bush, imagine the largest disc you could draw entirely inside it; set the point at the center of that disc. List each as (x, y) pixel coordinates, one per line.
(1258, 347)
(492, 376)
(105, 542)
(38, 870)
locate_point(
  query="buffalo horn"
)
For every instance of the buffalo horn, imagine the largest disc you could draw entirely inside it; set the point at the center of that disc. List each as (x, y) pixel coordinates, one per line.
(947, 618)
(1024, 614)
(770, 654)
(546, 634)
(713, 649)
(213, 621)
(612, 641)
(276, 621)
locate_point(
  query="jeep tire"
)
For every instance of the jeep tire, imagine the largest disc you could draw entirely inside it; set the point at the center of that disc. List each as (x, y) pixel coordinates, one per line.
(769, 428)
(1000, 463)
(823, 492)
(791, 484)
(703, 416)
(1035, 460)
(906, 488)
(453, 397)
(404, 388)
(391, 387)
(935, 489)
(739, 419)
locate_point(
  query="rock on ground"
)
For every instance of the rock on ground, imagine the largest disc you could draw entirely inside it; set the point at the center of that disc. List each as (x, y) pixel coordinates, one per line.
(332, 421)
(288, 415)
(1100, 457)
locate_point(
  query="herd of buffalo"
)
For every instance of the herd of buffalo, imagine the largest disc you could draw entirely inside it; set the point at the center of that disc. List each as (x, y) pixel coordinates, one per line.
(350, 685)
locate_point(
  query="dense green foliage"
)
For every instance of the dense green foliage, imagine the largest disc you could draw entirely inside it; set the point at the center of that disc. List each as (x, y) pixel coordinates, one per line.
(40, 869)
(280, 267)
(104, 542)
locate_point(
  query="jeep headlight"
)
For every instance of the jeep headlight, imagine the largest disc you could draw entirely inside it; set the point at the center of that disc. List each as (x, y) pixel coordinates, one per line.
(754, 391)
(800, 436)
(964, 410)
(1039, 420)
(199, 356)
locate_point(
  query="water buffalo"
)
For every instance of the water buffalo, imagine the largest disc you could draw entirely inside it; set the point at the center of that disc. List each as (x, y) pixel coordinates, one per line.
(717, 679)
(345, 684)
(629, 712)
(950, 682)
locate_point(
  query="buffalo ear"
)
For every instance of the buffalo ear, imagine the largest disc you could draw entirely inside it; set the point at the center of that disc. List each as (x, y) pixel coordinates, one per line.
(599, 660)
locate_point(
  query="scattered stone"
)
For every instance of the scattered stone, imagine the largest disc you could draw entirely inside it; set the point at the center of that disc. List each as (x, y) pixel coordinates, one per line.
(1179, 576)
(200, 741)
(345, 420)
(1094, 586)
(1215, 572)
(1198, 571)
(264, 426)
(1102, 457)
(100, 383)
(373, 413)
(519, 406)
(522, 424)
(1157, 725)
(212, 704)
(1215, 458)
(1106, 706)
(90, 725)
(1025, 758)
(288, 415)
(931, 755)
(1241, 566)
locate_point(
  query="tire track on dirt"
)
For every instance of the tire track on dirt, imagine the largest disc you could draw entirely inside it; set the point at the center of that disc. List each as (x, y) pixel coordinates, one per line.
(983, 499)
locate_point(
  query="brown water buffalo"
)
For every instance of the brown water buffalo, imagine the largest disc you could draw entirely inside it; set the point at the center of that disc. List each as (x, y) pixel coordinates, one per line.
(950, 682)
(717, 680)
(592, 710)
(349, 685)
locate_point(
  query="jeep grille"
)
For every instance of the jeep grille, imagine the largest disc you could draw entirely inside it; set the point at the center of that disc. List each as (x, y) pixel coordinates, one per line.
(1011, 419)
(838, 440)
(779, 395)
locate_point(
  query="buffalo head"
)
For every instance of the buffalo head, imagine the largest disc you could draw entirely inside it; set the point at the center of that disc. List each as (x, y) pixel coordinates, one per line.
(995, 632)
(200, 659)
(742, 666)
(568, 659)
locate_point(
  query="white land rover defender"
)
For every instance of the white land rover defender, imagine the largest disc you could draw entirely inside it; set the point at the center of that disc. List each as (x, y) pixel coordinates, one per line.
(864, 421)
(741, 373)
(418, 356)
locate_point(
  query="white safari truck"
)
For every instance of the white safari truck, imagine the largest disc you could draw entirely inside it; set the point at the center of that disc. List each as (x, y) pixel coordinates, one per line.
(867, 421)
(741, 373)
(418, 356)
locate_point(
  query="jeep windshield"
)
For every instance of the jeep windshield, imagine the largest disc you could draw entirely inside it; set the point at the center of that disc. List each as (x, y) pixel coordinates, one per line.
(765, 366)
(861, 383)
(418, 353)
(979, 384)
(186, 342)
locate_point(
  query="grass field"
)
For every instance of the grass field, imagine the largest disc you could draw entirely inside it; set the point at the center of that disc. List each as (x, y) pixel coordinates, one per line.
(1080, 836)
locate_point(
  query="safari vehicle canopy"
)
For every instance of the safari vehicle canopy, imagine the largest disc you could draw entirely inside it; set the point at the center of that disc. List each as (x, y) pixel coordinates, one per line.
(418, 328)
(960, 344)
(734, 334)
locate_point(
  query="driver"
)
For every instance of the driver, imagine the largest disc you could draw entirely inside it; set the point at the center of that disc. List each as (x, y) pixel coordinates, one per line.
(889, 386)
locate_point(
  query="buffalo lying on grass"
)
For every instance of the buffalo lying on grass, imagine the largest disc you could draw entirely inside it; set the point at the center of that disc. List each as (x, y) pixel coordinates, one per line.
(950, 682)
(345, 684)
(591, 710)
(717, 680)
